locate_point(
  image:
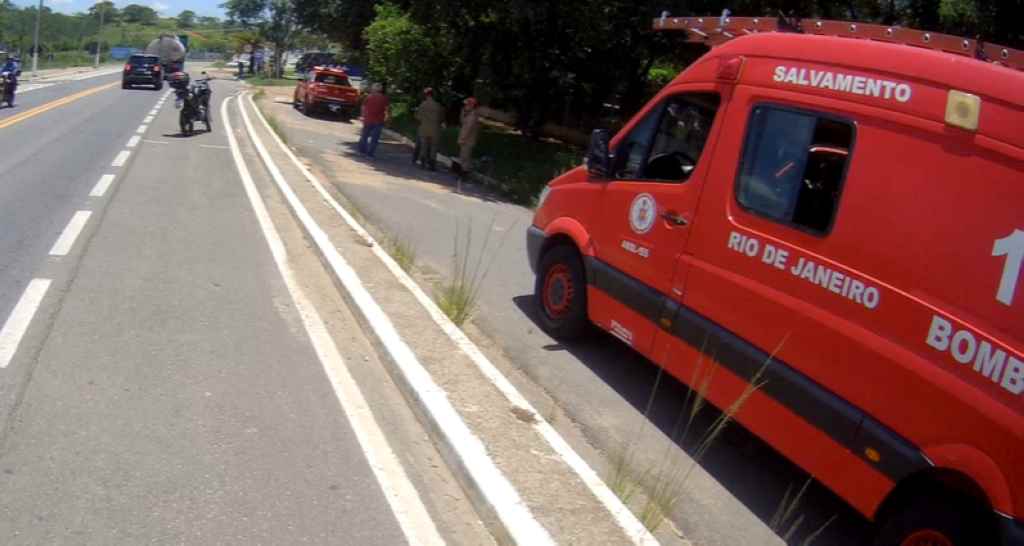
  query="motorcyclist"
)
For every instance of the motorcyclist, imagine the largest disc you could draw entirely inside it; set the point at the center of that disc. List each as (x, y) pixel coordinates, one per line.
(10, 71)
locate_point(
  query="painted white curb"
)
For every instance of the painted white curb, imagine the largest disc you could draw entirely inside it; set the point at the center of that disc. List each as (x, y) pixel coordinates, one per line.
(517, 522)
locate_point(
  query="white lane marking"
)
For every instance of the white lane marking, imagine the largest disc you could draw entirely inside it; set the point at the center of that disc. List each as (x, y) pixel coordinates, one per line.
(147, 141)
(101, 187)
(147, 119)
(493, 485)
(405, 502)
(216, 146)
(142, 128)
(132, 142)
(17, 323)
(122, 156)
(623, 516)
(153, 112)
(70, 234)
(22, 89)
(88, 75)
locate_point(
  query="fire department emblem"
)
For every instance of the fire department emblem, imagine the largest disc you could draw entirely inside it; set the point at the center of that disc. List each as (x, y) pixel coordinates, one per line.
(642, 213)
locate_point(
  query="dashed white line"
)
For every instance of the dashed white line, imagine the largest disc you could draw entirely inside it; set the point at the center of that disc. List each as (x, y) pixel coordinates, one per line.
(403, 499)
(71, 231)
(21, 316)
(132, 142)
(147, 119)
(153, 112)
(101, 187)
(142, 128)
(121, 158)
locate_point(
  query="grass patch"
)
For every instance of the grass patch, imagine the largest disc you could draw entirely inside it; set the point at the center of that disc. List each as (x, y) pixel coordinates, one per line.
(522, 166)
(402, 251)
(787, 520)
(63, 59)
(662, 483)
(272, 121)
(274, 82)
(457, 296)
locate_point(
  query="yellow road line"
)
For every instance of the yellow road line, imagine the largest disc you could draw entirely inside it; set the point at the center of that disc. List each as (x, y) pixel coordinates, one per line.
(7, 122)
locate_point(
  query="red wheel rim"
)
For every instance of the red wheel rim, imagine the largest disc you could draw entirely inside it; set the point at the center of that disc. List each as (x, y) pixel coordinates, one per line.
(558, 291)
(926, 537)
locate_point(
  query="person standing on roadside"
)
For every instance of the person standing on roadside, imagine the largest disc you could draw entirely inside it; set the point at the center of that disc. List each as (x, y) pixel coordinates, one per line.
(430, 114)
(468, 135)
(375, 114)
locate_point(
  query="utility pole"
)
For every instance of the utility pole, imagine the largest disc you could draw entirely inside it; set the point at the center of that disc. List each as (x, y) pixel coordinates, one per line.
(96, 64)
(35, 41)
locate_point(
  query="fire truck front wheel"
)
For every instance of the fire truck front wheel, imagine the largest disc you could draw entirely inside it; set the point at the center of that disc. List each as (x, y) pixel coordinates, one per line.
(937, 520)
(560, 291)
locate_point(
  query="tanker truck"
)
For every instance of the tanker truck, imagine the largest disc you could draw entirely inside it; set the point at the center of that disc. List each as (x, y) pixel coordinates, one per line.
(171, 52)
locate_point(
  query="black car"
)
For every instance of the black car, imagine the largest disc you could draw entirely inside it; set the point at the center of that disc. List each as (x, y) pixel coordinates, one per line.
(143, 69)
(309, 60)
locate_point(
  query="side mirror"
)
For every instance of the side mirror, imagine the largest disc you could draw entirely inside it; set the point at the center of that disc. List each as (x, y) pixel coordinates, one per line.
(599, 159)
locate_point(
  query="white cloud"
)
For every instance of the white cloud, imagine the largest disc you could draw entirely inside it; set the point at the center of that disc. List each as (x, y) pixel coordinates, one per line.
(160, 7)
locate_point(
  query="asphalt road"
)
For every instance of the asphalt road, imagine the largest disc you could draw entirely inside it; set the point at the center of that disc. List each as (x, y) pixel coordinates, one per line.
(156, 382)
(600, 384)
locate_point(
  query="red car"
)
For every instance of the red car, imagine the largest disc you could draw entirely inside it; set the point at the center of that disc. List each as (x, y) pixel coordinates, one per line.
(326, 88)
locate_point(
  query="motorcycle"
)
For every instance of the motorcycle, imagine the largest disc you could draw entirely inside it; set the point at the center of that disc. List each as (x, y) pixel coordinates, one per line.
(194, 102)
(8, 84)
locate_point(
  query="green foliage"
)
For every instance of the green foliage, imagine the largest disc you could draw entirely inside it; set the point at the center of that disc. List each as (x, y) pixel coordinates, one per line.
(135, 13)
(392, 40)
(272, 20)
(187, 19)
(342, 21)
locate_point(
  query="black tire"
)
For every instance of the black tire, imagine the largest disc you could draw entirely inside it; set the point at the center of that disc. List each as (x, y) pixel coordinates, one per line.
(185, 123)
(938, 518)
(207, 122)
(124, 85)
(560, 293)
(159, 85)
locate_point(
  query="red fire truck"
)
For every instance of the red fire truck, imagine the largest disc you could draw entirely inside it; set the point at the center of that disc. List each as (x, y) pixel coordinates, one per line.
(833, 213)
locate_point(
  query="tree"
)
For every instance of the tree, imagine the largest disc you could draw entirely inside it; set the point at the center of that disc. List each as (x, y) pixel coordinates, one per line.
(187, 19)
(279, 29)
(208, 22)
(248, 14)
(106, 8)
(340, 20)
(392, 39)
(135, 13)
(273, 20)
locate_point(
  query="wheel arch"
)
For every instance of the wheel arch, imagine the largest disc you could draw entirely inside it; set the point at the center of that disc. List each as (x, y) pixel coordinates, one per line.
(961, 471)
(567, 231)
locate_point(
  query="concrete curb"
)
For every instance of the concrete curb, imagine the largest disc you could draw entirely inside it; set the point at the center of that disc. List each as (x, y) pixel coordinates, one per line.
(497, 502)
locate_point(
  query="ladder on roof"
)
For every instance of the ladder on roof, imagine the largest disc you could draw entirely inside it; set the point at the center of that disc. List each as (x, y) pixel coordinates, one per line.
(713, 31)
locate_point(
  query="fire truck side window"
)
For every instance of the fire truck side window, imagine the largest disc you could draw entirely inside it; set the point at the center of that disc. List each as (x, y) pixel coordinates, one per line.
(666, 145)
(793, 166)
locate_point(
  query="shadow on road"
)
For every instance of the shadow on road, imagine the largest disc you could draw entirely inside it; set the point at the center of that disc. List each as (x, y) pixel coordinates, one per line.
(394, 158)
(749, 468)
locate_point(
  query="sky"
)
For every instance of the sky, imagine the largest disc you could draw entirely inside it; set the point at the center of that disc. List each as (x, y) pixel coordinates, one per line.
(166, 8)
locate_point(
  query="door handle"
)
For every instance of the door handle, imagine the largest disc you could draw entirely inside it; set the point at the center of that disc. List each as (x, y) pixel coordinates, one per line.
(674, 218)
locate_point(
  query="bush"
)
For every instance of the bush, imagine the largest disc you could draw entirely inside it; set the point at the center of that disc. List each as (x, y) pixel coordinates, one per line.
(401, 53)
